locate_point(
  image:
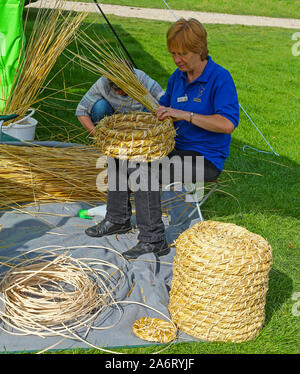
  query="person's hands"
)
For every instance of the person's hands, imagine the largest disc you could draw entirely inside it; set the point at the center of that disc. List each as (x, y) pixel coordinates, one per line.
(163, 112)
(92, 131)
(87, 124)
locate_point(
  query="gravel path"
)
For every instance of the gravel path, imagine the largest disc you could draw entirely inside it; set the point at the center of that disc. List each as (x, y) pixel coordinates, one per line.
(166, 14)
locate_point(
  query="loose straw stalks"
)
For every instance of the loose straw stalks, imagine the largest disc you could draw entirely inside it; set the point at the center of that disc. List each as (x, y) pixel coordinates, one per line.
(111, 62)
(52, 32)
(45, 174)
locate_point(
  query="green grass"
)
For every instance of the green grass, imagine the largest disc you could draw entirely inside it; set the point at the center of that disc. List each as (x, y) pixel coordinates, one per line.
(270, 8)
(259, 191)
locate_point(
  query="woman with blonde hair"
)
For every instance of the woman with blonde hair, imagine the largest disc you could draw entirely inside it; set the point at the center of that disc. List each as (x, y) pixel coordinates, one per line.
(201, 98)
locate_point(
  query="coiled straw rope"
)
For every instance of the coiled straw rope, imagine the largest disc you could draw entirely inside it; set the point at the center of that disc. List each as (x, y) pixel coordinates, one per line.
(135, 136)
(55, 294)
(47, 292)
(220, 281)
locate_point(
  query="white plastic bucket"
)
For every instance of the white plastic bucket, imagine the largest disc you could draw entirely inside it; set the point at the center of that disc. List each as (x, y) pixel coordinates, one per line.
(24, 129)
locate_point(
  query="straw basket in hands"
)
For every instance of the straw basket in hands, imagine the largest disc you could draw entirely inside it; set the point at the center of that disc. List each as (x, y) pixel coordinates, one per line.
(137, 136)
(220, 281)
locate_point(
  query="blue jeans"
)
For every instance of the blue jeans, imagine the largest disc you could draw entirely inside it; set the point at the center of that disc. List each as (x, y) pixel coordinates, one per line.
(100, 109)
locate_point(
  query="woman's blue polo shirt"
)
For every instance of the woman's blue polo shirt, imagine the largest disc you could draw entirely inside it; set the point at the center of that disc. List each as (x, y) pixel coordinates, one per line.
(214, 92)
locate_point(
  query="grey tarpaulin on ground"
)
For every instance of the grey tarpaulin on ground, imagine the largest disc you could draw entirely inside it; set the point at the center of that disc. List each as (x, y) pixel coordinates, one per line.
(57, 225)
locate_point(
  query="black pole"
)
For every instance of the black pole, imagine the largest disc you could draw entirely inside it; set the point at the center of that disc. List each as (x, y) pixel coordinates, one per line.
(115, 34)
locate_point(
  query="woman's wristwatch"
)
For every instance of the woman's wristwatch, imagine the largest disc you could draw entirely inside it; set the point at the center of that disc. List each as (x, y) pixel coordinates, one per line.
(191, 117)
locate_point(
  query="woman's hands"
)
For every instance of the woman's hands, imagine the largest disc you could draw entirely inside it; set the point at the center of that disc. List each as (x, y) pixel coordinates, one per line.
(214, 123)
(163, 112)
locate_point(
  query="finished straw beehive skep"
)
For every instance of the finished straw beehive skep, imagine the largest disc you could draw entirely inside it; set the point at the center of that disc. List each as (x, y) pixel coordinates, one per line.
(220, 281)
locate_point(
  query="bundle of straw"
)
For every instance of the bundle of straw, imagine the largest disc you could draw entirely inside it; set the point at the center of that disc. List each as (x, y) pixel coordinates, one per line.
(135, 136)
(111, 62)
(220, 281)
(52, 32)
(43, 174)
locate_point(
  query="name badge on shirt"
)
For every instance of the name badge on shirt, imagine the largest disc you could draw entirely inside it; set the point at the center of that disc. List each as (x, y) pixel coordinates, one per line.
(182, 99)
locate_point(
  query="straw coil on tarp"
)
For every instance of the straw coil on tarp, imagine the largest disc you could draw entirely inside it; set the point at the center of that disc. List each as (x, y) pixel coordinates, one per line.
(220, 281)
(56, 294)
(137, 136)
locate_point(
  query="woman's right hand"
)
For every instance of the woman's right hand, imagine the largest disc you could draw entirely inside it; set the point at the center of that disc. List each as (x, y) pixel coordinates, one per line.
(163, 112)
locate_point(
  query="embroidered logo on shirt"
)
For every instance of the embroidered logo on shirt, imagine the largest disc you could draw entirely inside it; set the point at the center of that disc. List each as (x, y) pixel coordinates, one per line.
(198, 97)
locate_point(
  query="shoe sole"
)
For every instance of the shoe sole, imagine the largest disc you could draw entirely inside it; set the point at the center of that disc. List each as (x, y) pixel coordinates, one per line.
(111, 233)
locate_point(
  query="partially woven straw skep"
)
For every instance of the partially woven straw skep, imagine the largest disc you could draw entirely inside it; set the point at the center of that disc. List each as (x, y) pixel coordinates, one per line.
(220, 281)
(136, 136)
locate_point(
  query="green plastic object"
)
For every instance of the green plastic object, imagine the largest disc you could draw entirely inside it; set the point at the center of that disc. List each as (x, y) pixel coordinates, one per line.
(12, 40)
(83, 213)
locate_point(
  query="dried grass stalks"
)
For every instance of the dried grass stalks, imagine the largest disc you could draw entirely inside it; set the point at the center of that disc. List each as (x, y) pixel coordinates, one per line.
(52, 32)
(220, 281)
(111, 62)
(55, 294)
(43, 174)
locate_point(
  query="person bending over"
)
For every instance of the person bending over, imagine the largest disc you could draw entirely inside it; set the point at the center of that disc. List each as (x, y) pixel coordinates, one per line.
(104, 98)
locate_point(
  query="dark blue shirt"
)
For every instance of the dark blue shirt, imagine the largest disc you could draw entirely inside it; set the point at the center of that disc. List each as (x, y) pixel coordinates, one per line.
(213, 92)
